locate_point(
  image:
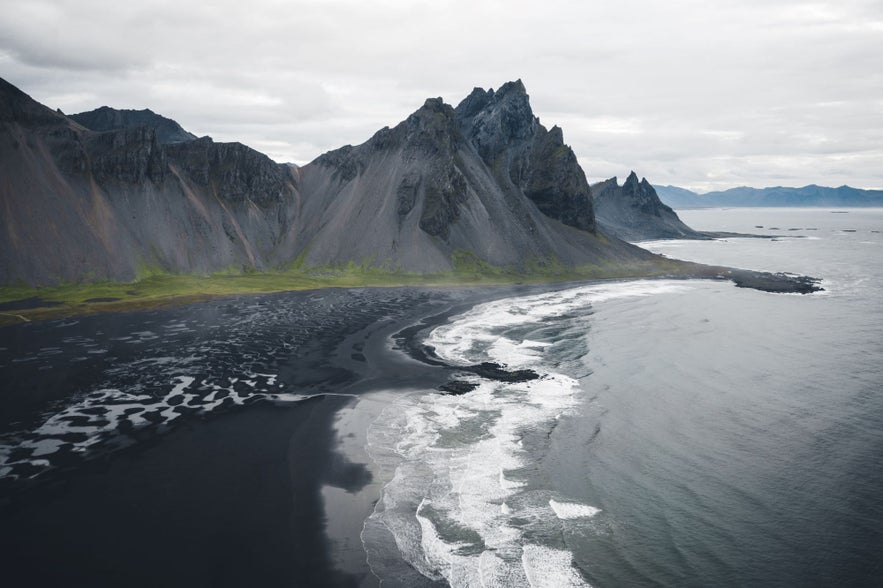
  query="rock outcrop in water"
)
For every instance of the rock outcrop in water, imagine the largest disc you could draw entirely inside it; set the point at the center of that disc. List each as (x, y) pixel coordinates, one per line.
(634, 212)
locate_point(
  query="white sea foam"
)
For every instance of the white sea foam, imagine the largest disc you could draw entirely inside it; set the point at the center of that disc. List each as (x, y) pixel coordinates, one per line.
(465, 486)
(101, 414)
(474, 335)
(544, 567)
(573, 510)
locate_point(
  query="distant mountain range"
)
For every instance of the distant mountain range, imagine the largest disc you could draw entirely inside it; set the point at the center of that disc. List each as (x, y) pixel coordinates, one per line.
(811, 195)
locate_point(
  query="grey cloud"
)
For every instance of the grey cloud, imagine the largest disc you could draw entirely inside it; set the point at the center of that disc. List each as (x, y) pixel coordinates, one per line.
(696, 93)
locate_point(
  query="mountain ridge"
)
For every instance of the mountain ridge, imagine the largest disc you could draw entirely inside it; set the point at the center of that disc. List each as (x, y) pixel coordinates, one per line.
(81, 205)
(485, 180)
(780, 196)
(106, 118)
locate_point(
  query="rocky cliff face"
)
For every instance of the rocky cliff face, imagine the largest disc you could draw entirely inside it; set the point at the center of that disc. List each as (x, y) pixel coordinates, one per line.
(483, 181)
(633, 212)
(128, 155)
(524, 156)
(110, 119)
(84, 205)
(234, 172)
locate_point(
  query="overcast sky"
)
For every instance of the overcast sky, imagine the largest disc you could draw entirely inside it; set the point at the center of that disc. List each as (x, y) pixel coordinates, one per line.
(700, 94)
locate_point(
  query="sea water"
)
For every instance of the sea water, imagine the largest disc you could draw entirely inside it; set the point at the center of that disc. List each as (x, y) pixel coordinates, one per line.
(681, 433)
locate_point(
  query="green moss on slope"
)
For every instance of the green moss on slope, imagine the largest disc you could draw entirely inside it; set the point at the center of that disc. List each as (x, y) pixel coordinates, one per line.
(157, 289)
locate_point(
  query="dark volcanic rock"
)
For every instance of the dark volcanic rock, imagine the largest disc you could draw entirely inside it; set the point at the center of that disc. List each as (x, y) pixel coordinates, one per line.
(346, 163)
(458, 387)
(634, 212)
(557, 184)
(128, 155)
(498, 123)
(524, 155)
(432, 133)
(494, 371)
(779, 283)
(444, 195)
(236, 172)
(111, 119)
(407, 193)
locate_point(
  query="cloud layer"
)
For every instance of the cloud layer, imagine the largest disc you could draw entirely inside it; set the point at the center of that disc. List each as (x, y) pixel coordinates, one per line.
(698, 94)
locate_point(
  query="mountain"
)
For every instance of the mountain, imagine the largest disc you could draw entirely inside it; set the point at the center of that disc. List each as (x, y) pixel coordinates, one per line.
(679, 197)
(111, 119)
(485, 179)
(484, 182)
(634, 212)
(81, 205)
(811, 195)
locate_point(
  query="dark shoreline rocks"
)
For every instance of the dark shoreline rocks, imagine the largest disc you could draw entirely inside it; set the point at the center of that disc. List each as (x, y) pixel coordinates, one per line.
(778, 283)
(495, 371)
(488, 370)
(458, 387)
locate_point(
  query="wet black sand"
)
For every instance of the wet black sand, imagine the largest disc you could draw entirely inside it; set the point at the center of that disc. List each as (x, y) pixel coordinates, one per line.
(226, 498)
(227, 502)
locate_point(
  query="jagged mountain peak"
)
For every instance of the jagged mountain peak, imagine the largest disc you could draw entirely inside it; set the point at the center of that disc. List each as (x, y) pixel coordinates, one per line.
(494, 119)
(479, 98)
(640, 189)
(557, 134)
(434, 105)
(430, 130)
(634, 211)
(435, 114)
(502, 128)
(516, 87)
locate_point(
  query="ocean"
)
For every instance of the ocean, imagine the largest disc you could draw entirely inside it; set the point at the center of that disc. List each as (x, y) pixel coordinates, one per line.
(681, 433)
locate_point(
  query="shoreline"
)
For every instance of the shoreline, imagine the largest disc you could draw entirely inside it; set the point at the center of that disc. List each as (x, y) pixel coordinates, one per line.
(235, 498)
(21, 305)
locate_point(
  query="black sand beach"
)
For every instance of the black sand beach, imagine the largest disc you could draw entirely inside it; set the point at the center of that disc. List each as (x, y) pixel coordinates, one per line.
(225, 497)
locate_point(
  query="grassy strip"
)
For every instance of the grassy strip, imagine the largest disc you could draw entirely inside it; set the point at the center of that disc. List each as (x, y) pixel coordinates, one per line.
(160, 290)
